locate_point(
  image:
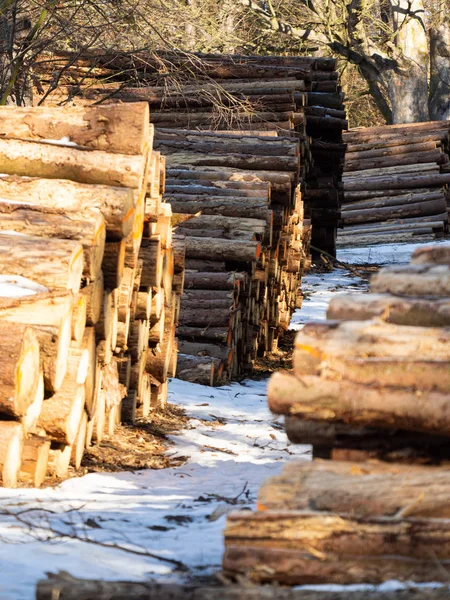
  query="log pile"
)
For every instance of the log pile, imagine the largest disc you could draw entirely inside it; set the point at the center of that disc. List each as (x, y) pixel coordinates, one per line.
(88, 300)
(245, 251)
(370, 389)
(396, 182)
(296, 96)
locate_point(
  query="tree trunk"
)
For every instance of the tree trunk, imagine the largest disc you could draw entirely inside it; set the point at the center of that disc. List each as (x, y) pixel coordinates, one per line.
(314, 398)
(439, 100)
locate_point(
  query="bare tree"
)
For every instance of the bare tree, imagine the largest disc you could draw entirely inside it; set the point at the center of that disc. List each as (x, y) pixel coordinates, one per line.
(393, 43)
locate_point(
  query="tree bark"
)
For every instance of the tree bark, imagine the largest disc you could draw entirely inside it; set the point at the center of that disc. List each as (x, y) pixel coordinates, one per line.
(421, 312)
(314, 398)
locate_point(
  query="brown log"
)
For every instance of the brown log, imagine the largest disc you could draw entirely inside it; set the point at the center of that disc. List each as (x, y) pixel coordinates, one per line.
(87, 229)
(196, 369)
(318, 342)
(56, 264)
(310, 397)
(113, 264)
(54, 344)
(212, 281)
(30, 419)
(228, 206)
(59, 460)
(72, 588)
(20, 368)
(369, 215)
(422, 312)
(93, 293)
(411, 158)
(380, 202)
(265, 546)
(205, 349)
(114, 128)
(372, 489)
(79, 317)
(61, 196)
(398, 182)
(206, 318)
(11, 445)
(413, 280)
(220, 335)
(61, 414)
(152, 257)
(34, 460)
(436, 254)
(233, 250)
(79, 443)
(33, 159)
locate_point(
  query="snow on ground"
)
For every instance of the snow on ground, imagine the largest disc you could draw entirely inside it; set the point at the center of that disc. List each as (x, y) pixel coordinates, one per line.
(233, 443)
(382, 254)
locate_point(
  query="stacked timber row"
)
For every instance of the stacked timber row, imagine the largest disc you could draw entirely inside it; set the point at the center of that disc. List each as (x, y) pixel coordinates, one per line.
(86, 273)
(396, 183)
(370, 383)
(238, 203)
(296, 96)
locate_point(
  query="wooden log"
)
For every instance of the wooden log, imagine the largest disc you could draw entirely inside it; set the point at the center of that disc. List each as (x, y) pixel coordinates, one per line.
(79, 317)
(228, 206)
(72, 588)
(61, 414)
(266, 547)
(373, 489)
(59, 460)
(11, 445)
(212, 280)
(233, 250)
(30, 419)
(33, 159)
(206, 318)
(374, 151)
(88, 347)
(54, 344)
(113, 127)
(196, 369)
(113, 264)
(93, 294)
(77, 452)
(413, 280)
(205, 349)
(19, 357)
(436, 254)
(151, 255)
(61, 196)
(44, 308)
(88, 229)
(370, 215)
(421, 312)
(318, 342)
(399, 199)
(35, 455)
(56, 264)
(411, 158)
(398, 182)
(310, 397)
(220, 335)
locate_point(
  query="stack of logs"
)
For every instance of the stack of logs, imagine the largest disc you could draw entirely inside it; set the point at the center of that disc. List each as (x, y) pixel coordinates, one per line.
(88, 296)
(245, 252)
(396, 183)
(296, 96)
(371, 384)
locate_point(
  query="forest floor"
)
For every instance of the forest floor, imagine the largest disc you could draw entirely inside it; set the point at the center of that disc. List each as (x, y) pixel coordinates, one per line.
(151, 504)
